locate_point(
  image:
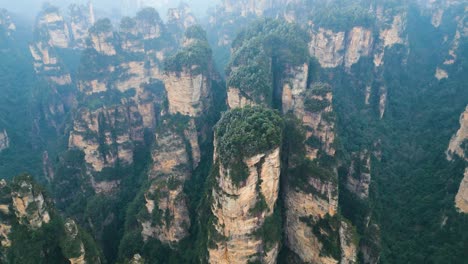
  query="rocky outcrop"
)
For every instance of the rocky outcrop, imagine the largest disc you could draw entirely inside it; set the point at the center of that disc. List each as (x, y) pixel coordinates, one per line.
(461, 199)
(458, 147)
(441, 74)
(4, 140)
(328, 47)
(359, 44)
(51, 32)
(6, 22)
(333, 49)
(52, 26)
(5, 216)
(390, 35)
(187, 94)
(105, 139)
(72, 240)
(165, 200)
(102, 37)
(29, 204)
(27, 212)
(234, 207)
(81, 20)
(457, 142)
(181, 17)
(244, 222)
(313, 199)
(359, 174)
(348, 243)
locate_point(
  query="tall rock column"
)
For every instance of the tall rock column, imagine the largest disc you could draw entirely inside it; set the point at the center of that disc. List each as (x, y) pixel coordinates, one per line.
(459, 147)
(245, 227)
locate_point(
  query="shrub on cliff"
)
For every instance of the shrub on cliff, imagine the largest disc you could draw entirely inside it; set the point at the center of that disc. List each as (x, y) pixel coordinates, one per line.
(243, 133)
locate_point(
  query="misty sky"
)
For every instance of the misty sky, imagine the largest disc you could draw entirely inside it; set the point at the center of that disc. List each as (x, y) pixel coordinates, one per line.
(31, 7)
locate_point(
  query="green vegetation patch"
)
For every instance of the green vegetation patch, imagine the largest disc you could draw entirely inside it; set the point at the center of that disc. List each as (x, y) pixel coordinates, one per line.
(242, 133)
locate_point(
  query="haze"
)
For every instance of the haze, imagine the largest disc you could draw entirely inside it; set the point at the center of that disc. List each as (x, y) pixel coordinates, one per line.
(29, 8)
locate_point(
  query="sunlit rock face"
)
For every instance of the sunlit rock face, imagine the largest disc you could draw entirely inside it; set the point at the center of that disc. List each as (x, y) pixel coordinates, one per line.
(233, 206)
(458, 147)
(51, 32)
(316, 200)
(29, 204)
(187, 94)
(244, 216)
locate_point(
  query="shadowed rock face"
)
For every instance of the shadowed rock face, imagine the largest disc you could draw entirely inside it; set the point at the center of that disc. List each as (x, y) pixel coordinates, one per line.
(458, 147)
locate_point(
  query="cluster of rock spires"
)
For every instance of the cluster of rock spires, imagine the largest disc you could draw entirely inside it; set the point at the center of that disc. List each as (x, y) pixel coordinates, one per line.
(134, 83)
(24, 205)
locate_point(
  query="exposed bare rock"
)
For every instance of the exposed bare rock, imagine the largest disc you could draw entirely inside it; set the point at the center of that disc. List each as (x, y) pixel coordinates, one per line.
(181, 17)
(441, 74)
(29, 205)
(187, 94)
(5, 213)
(359, 176)
(437, 17)
(233, 207)
(294, 87)
(4, 140)
(52, 26)
(460, 33)
(328, 47)
(165, 201)
(348, 243)
(461, 199)
(93, 128)
(102, 37)
(6, 22)
(390, 36)
(137, 259)
(236, 99)
(81, 20)
(149, 24)
(301, 205)
(47, 63)
(458, 146)
(359, 44)
(456, 143)
(382, 101)
(71, 236)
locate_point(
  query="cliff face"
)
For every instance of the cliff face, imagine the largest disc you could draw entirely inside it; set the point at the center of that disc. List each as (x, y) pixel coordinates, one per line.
(105, 140)
(4, 140)
(312, 202)
(458, 147)
(81, 19)
(241, 211)
(165, 200)
(187, 94)
(51, 32)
